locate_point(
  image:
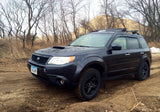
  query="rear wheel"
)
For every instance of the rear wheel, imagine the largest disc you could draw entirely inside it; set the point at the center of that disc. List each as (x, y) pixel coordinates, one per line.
(144, 72)
(89, 84)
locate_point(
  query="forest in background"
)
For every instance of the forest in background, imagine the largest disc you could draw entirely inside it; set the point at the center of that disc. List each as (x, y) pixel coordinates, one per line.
(26, 25)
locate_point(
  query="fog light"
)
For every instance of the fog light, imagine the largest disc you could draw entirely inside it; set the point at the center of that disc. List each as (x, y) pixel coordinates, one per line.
(62, 81)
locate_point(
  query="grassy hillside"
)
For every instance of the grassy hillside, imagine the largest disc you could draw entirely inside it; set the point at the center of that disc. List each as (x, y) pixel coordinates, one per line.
(12, 50)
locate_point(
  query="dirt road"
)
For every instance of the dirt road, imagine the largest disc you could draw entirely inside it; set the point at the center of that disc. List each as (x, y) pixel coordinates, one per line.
(21, 92)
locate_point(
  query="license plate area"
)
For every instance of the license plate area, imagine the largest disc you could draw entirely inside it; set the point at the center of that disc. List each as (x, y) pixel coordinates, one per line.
(34, 69)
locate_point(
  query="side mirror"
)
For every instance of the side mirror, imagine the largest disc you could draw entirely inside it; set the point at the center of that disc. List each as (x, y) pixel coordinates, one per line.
(116, 47)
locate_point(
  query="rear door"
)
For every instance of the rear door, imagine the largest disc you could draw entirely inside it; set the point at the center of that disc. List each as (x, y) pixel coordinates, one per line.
(134, 53)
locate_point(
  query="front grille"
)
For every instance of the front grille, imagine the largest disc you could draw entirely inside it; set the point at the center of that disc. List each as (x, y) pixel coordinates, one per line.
(39, 59)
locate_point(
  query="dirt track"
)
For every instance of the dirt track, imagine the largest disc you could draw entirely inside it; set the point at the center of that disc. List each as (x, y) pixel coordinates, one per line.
(20, 91)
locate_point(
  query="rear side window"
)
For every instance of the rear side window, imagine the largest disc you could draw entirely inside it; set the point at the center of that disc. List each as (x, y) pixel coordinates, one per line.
(133, 43)
(120, 41)
(143, 43)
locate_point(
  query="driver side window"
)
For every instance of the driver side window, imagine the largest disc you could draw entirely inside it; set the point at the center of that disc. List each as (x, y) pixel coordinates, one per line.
(120, 41)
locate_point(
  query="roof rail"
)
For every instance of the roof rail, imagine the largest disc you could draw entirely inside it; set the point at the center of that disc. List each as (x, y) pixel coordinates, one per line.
(119, 29)
(122, 29)
(104, 30)
(95, 31)
(132, 31)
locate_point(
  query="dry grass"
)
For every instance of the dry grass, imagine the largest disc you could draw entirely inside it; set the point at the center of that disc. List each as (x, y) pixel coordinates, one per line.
(12, 49)
(154, 44)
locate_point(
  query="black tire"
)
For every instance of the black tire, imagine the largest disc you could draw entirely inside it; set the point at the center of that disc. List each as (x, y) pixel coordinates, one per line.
(144, 72)
(89, 84)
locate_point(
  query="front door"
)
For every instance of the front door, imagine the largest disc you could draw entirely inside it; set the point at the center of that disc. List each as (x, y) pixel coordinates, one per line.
(118, 60)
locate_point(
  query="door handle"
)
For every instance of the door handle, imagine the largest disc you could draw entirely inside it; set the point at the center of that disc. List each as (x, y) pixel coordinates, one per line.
(127, 54)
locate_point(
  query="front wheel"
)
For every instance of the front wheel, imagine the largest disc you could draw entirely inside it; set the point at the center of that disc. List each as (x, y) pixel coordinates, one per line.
(144, 72)
(89, 84)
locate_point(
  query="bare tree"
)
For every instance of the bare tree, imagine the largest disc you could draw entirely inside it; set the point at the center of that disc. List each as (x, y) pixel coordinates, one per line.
(17, 18)
(113, 13)
(150, 11)
(85, 22)
(35, 10)
(108, 10)
(2, 26)
(74, 7)
(52, 4)
(43, 27)
(14, 13)
(6, 12)
(64, 13)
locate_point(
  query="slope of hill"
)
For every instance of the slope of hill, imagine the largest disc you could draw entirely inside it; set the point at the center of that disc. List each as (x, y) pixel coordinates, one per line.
(100, 22)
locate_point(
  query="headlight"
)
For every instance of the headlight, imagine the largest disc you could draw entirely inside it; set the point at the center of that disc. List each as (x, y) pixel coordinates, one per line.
(61, 60)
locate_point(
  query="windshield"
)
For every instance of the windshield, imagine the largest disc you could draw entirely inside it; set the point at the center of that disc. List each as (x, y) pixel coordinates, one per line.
(92, 40)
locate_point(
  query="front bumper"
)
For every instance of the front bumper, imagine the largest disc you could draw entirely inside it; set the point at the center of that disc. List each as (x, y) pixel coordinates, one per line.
(57, 75)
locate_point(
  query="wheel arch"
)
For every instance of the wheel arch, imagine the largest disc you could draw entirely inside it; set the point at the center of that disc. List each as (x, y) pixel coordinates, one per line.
(96, 65)
(92, 62)
(143, 60)
(147, 61)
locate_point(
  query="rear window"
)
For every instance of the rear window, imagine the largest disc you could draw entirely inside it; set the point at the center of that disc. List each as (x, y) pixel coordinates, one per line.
(133, 43)
(143, 43)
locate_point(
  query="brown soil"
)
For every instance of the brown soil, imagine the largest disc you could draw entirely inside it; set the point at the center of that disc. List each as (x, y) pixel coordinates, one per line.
(21, 92)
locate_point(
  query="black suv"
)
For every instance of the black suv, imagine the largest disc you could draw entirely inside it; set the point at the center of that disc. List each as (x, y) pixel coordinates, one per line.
(92, 59)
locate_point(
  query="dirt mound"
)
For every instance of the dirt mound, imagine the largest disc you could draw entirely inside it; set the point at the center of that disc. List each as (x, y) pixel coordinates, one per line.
(116, 103)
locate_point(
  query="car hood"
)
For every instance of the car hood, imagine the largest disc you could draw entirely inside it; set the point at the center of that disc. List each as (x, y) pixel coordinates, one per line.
(67, 51)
